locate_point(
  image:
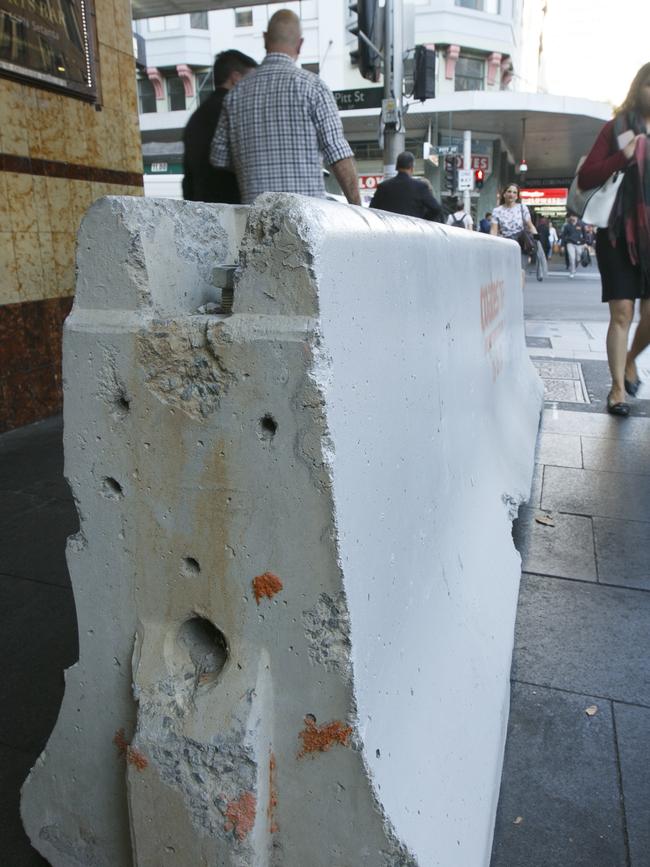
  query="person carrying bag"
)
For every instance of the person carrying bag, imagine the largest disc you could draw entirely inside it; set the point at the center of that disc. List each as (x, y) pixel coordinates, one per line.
(622, 149)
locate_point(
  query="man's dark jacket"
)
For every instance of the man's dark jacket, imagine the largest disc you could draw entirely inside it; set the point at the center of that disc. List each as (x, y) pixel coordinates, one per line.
(202, 182)
(404, 194)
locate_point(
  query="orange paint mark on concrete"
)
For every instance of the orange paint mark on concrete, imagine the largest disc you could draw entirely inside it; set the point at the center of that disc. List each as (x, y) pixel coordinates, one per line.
(273, 796)
(240, 815)
(121, 742)
(267, 585)
(318, 739)
(136, 758)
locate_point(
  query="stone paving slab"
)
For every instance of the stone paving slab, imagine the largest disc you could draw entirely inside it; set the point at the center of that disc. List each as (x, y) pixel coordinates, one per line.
(601, 453)
(560, 450)
(586, 638)
(633, 736)
(560, 798)
(38, 640)
(561, 421)
(565, 549)
(535, 498)
(602, 494)
(16, 850)
(623, 552)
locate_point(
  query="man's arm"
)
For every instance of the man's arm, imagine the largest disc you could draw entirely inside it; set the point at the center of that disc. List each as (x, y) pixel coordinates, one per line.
(345, 173)
(433, 206)
(220, 155)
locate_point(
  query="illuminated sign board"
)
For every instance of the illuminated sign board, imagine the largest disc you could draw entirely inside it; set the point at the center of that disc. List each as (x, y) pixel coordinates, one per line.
(548, 196)
(51, 42)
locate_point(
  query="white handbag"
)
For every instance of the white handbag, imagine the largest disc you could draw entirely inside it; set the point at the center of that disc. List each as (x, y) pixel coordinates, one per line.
(594, 206)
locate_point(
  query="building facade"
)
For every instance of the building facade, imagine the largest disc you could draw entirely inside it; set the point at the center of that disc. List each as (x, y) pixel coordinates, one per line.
(478, 44)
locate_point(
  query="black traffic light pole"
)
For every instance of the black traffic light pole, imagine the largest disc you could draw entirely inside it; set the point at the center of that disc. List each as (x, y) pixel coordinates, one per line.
(394, 135)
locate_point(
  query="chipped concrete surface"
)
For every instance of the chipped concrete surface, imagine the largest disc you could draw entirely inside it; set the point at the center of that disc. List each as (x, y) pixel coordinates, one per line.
(310, 436)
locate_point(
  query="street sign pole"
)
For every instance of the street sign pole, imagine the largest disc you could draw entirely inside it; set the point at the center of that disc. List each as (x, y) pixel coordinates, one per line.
(467, 164)
(394, 136)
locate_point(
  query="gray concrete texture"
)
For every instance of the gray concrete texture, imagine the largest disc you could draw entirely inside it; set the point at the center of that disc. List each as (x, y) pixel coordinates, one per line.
(275, 592)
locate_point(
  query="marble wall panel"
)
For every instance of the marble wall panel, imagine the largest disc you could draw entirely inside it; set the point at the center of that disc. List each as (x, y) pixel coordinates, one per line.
(5, 206)
(30, 360)
(29, 267)
(15, 108)
(57, 155)
(9, 278)
(23, 204)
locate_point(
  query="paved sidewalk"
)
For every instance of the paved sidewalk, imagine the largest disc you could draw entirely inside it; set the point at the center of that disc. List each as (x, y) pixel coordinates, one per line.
(575, 787)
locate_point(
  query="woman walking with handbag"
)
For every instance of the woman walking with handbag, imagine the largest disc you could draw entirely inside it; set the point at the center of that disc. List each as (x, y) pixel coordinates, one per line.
(623, 247)
(511, 219)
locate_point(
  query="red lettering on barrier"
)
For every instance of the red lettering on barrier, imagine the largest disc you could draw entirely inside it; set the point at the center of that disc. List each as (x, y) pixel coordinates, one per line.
(492, 325)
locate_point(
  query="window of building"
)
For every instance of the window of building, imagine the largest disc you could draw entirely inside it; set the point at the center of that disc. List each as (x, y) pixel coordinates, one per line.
(146, 96)
(308, 9)
(311, 67)
(175, 94)
(243, 17)
(470, 74)
(204, 85)
(480, 5)
(199, 20)
(167, 22)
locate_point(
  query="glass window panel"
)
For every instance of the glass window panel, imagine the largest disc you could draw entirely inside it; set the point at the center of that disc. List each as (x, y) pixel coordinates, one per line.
(308, 9)
(175, 94)
(199, 20)
(146, 96)
(470, 74)
(243, 17)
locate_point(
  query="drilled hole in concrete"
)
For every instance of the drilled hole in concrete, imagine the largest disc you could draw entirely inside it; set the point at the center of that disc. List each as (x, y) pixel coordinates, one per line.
(268, 427)
(191, 566)
(112, 489)
(207, 648)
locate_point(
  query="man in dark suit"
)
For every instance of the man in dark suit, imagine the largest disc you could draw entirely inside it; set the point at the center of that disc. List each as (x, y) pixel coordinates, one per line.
(201, 181)
(405, 194)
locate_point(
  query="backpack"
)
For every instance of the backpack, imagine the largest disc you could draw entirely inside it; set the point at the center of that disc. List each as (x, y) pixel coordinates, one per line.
(459, 224)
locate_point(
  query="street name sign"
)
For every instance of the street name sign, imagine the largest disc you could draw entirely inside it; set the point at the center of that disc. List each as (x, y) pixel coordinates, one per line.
(362, 97)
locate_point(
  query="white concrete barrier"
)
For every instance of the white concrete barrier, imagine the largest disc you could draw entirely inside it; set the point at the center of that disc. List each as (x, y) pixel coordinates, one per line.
(296, 521)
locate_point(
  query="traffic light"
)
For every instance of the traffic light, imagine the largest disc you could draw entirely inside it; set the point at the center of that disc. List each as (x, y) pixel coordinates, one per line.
(424, 73)
(479, 177)
(369, 30)
(451, 174)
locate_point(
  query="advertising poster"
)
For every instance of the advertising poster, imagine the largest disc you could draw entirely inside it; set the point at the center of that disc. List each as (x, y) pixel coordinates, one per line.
(49, 41)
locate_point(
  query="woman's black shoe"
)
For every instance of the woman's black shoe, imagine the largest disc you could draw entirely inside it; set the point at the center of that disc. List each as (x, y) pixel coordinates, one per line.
(632, 387)
(620, 409)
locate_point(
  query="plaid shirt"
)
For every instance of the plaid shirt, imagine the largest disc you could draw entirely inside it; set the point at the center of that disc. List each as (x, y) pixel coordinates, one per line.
(274, 126)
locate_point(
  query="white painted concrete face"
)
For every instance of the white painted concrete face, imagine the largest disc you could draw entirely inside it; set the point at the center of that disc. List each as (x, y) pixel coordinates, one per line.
(359, 431)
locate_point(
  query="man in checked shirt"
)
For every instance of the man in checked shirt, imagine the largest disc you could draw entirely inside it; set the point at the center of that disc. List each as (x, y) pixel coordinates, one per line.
(279, 120)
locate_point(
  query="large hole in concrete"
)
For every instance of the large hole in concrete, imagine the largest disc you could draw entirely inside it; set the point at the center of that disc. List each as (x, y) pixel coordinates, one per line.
(268, 427)
(206, 646)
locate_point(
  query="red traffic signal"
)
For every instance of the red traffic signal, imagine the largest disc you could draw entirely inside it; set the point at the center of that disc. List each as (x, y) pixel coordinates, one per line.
(479, 177)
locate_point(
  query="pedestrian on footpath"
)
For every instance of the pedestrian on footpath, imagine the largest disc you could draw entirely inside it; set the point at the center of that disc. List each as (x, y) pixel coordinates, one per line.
(486, 223)
(201, 181)
(511, 219)
(278, 122)
(404, 194)
(553, 240)
(460, 219)
(623, 248)
(572, 239)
